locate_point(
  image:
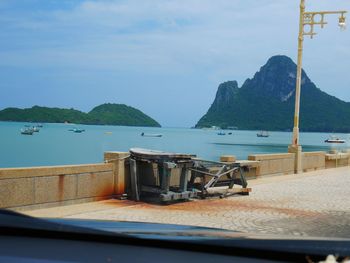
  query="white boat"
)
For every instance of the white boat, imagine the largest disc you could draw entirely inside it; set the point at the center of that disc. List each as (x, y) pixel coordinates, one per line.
(27, 131)
(35, 129)
(263, 134)
(334, 139)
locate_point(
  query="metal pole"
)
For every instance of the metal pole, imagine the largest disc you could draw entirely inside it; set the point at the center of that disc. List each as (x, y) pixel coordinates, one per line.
(295, 140)
(295, 147)
(306, 18)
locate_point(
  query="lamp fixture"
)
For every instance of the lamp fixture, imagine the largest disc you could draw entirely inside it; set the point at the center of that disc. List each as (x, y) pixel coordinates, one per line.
(342, 23)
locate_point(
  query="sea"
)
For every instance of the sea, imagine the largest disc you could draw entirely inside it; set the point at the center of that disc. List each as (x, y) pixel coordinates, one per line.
(56, 144)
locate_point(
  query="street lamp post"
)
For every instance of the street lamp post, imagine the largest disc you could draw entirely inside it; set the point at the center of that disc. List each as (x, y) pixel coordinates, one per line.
(310, 20)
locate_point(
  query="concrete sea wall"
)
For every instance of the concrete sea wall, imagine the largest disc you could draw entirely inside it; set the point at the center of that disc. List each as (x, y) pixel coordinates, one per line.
(55, 184)
(36, 187)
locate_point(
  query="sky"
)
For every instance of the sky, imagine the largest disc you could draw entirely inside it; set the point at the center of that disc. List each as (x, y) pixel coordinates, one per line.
(164, 57)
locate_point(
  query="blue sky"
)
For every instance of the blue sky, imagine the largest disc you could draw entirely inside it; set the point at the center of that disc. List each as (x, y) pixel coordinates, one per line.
(165, 57)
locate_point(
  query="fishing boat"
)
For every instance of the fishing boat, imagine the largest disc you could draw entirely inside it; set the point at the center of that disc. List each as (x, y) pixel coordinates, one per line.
(35, 129)
(151, 135)
(76, 130)
(334, 139)
(221, 133)
(27, 131)
(263, 134)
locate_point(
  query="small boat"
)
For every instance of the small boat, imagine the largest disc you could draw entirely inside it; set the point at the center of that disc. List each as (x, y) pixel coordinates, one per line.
(35, 129)
(39, 125)
(221, 133)
(76, 130)
(151, 135)
(334, 140)
(27, 131)
(263, 134)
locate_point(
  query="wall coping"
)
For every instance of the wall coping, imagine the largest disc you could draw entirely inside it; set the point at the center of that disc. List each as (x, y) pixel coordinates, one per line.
(249, 163)
(314, 153)
(337, 156)
(261, 157)
(116, 152)
(24, 172)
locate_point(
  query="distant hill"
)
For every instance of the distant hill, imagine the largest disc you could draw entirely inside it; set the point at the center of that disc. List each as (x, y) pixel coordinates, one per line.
(105, 114)
(266, 102)
(120, 114)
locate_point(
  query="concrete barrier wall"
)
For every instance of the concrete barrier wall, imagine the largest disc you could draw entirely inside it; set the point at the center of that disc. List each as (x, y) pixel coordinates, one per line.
(120, 170)
(36, 186)
(273, 164)
(313, 161)
(337, 160)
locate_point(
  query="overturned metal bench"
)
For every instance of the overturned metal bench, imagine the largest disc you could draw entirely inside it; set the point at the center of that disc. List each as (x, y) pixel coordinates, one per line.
(164, 163)
(218, 178)
(164, 176)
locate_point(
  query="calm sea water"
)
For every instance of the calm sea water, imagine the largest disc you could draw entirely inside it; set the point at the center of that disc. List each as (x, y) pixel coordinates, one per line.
(55, 145)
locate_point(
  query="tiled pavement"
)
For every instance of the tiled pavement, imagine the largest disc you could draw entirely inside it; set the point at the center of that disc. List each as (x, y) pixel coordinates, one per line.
(312, 204)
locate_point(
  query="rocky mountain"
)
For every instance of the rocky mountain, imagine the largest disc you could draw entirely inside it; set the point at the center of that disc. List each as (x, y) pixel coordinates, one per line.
(266, 102)
(105, 114)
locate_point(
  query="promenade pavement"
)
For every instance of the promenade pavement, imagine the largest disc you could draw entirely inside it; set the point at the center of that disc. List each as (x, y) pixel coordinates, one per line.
(310, 204)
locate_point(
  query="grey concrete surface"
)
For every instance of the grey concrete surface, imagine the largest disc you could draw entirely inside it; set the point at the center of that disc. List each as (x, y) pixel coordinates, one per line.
(309, 204)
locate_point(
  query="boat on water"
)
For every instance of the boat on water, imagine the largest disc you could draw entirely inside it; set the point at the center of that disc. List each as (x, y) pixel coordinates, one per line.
(27, 131)
(151, 135)
(221, 133)
(78, 130)
(35, 129)
(75, 130)
(334, 139)
(263, 134)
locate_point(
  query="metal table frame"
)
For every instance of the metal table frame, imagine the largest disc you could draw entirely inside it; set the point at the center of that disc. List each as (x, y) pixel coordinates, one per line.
(191, 168)
(165, 165)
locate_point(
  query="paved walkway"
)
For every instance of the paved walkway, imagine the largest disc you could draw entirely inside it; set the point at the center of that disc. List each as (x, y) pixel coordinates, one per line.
(312, 204)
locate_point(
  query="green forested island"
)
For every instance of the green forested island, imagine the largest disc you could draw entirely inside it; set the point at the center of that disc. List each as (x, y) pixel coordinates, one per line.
(266, 102)
(105, 114)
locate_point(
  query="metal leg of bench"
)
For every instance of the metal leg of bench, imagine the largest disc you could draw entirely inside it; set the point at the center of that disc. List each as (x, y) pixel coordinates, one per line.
(184, 179)
(133, 180)
(232, 177)
(165, 174)
(216, 178)
(244, 181)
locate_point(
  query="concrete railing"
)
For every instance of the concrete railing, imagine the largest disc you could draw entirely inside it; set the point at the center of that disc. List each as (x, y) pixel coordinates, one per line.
(274, 164)
(337, 160)
(53, 185)
(313, 161)
(36, 187)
